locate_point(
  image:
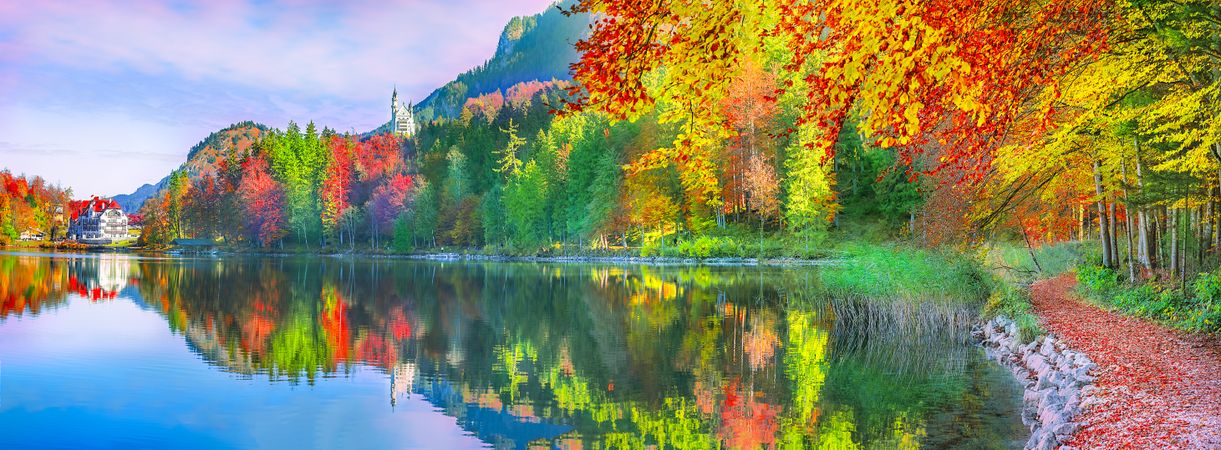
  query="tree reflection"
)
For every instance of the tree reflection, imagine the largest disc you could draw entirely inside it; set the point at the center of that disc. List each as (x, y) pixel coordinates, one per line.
(31, 283)
(577, 356)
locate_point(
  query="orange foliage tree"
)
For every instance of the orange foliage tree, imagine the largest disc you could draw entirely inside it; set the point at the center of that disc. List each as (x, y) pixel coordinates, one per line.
(956, 73)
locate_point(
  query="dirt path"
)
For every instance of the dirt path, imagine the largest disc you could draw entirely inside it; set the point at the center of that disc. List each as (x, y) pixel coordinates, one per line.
(1156, 388)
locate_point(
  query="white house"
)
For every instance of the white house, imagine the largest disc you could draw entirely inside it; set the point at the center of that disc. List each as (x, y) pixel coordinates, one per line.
(32, 235)
(97, 221)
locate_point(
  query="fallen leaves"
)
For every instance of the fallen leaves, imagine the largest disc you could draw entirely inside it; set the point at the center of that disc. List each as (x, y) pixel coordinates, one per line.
(1156, 388)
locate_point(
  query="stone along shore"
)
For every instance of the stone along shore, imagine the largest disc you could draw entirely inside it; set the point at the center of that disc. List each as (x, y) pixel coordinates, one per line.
(1057, 380)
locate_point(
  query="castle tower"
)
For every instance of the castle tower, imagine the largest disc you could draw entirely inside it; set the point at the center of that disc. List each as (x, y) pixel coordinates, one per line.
(402, 117)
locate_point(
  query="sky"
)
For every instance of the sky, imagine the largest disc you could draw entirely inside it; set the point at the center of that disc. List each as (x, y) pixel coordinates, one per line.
(104, 96)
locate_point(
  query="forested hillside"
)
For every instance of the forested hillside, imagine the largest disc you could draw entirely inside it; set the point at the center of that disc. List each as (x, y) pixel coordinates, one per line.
(202, 159)
(531, 48)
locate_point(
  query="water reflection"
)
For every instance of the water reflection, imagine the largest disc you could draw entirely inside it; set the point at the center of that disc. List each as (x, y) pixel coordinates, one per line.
(32, 282)
(565, 356)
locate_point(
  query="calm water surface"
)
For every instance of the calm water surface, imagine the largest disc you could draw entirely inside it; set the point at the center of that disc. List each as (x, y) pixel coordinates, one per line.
(116, 351)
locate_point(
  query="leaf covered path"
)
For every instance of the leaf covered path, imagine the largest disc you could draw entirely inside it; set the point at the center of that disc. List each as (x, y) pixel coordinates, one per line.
(1156, 388)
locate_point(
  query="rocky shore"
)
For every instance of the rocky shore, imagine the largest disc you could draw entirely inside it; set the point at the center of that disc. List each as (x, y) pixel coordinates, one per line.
(1057, 380)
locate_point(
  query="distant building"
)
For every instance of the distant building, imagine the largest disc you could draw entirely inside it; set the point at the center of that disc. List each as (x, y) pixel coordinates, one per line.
(97, 221)
(402, 117)
(32, 235)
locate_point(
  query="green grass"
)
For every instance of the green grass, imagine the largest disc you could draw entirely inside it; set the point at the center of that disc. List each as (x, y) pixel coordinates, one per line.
(899, 272)
(1196, 310)
(1015, 270)
(737, 241)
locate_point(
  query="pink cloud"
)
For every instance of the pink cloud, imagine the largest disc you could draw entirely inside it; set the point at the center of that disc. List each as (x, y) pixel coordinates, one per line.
(352, 50)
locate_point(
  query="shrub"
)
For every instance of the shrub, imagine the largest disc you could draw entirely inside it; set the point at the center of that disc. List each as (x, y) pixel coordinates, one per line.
(1198, 310)
(1014, 302)
(1207, 288)
(1098, 280)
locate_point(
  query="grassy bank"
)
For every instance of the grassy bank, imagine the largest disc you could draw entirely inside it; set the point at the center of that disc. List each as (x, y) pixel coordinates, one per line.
(894, 272)
(894, 290)
(1015, 267)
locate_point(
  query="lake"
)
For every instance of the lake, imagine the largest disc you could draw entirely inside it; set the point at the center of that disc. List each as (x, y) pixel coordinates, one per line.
(119, 351)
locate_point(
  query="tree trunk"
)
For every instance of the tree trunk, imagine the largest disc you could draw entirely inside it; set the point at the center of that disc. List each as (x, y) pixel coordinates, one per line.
(1104, 232)
(1159, 233)
(760, 236)
(1173, 224)
(1030, 249)
(1087, 221)
(1123, 170)
(1206, 225)
(1198, 216)
(1081, 210)
(1213, 223)
(911, 224)
(1114, 228)
(1148, 241)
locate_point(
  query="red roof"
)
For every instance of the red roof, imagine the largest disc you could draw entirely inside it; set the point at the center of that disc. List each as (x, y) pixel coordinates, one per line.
(80, 207)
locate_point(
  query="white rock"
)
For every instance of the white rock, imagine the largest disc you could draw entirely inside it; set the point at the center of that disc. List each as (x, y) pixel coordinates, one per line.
(1048, 442)
(1065, 429)
(1049, 347)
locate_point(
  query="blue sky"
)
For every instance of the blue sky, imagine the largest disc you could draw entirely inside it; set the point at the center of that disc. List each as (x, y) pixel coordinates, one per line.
(104, 96)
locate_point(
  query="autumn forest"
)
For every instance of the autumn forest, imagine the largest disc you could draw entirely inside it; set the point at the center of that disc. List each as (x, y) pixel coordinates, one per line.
(1045, 173)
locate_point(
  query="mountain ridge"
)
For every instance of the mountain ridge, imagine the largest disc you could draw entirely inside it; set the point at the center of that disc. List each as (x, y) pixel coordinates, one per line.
(201, 159)
(537, 47)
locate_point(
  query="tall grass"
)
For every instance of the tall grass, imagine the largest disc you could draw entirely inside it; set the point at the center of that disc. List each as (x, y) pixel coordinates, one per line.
(891, 272)
(909, 319)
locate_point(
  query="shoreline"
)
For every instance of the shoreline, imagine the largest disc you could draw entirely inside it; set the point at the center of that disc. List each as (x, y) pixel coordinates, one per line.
(455, 256)
(644, 260)
(1056, 380)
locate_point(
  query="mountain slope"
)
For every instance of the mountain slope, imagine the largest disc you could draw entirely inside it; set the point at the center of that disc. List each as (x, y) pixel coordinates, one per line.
(133, 201)
(201, 159)
(535, 50)
(239, 137)
(531, 48)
